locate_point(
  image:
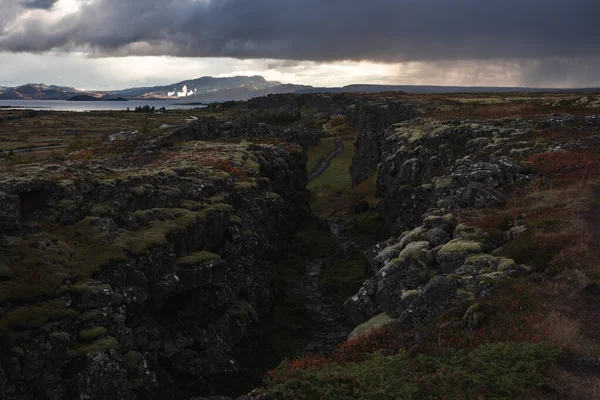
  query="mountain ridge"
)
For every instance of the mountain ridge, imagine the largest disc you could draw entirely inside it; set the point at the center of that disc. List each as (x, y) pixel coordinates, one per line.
(209, 88)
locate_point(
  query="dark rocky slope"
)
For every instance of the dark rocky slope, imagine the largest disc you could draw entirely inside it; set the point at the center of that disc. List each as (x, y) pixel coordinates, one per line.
(143, 276)
(427, 172)
(370, 119)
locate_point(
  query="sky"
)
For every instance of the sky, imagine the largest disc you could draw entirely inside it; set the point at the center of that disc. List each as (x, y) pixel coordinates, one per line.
(110, 44)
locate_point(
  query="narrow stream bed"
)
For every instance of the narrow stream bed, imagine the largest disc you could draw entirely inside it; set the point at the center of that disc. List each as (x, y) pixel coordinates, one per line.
(328, 328)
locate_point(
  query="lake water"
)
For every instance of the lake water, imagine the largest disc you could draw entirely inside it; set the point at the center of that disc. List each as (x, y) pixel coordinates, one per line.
(63, 105)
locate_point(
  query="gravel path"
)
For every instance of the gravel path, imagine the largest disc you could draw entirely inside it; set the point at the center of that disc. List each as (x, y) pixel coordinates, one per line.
(324, 164)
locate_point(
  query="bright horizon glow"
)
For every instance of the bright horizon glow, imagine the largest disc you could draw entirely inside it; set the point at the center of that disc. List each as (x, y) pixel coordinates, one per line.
(112, 73)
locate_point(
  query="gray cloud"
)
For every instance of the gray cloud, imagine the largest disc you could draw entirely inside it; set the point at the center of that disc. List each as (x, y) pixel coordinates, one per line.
(40, 4)
(383, 30)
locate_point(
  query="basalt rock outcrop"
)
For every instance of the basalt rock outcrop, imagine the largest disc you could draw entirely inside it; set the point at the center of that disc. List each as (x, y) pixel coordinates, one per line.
(303, 133)
(426, 271)
(370, 120)
(433, 262)
(143, 276)
(450, 165)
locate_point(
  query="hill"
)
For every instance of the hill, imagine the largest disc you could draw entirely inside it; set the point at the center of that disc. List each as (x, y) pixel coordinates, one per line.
(33, 91)
(242, 88)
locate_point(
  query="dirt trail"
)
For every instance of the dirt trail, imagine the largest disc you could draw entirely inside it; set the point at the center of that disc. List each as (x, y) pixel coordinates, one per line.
(324, 164)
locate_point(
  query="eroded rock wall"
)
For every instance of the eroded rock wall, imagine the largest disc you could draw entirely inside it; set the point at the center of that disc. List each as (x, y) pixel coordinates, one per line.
(429, 170)
(147, 278)
(370, 120)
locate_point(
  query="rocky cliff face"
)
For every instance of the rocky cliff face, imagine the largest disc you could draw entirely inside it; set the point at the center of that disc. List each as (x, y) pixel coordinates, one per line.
(429, 170)
(370, 120)
(301, 133)
(450, 165)
(143, 276)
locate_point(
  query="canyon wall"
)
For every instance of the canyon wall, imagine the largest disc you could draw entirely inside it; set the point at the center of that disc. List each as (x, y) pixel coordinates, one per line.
(144, 276)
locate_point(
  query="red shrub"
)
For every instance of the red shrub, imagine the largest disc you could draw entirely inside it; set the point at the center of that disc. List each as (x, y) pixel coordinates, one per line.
(567, 166)
(359, 349)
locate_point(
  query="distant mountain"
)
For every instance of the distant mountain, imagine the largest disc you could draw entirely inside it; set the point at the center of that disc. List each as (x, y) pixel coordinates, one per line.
(87, 97)
(33, 91)
(424, 89)
(209, 88)
(212, 89)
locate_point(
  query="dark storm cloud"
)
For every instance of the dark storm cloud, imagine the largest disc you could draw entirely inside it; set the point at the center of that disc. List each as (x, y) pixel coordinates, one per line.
(40, 4)
(380, 30)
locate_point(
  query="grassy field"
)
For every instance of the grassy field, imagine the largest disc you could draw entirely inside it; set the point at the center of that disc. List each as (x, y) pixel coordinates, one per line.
(337, 176)
(21, 129)
(316, 153)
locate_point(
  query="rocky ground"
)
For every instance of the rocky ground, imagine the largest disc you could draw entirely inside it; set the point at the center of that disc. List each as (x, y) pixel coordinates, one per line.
(152, 271)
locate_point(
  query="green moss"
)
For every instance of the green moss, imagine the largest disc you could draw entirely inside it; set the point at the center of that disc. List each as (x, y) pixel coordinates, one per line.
(132, 360)
(476, 258)
(29, 317)
(140, 242)
(495, 371)
(245, 185)
(80, 288)
(102, 210)
(380, 321)
(240, 310)
(235, 220)
(465, 293)
(273, 195)
(92, 333)
(506, 264)
(197, 258)
(458, 245)
(18, 351)
(118, 318)
(104, 344)
(191, 205)
(409, 293)
(61, 336)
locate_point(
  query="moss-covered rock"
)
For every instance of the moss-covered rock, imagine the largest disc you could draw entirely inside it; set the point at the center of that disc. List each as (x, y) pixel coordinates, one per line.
(101, 345)
(241, 310)
(92, 333)
(455, 252)
(380, 321)
(197, 258)
(132, 360)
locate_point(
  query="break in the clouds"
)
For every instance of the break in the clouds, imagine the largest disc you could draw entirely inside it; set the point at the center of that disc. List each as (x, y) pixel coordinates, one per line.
(379, 30)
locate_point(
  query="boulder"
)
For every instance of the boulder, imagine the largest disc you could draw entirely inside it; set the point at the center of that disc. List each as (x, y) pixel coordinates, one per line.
(395, 279)
(428, 302)
(455, 252)
(362, 306)
(380, 321)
